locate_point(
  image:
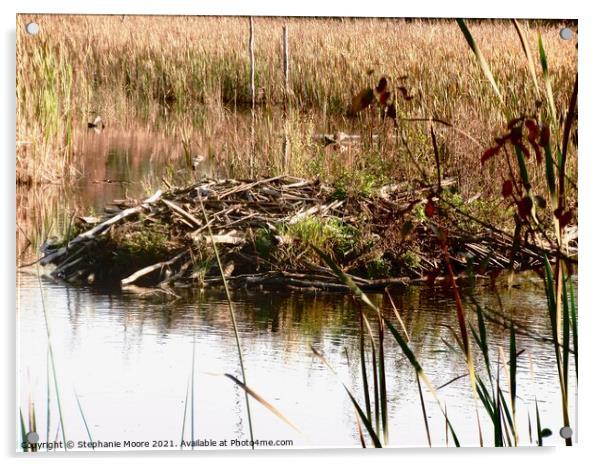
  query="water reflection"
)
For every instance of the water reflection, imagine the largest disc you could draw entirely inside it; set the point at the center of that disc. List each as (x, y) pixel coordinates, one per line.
(130, 361)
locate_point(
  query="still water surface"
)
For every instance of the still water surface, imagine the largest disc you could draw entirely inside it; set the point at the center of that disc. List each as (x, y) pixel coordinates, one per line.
(129, 359)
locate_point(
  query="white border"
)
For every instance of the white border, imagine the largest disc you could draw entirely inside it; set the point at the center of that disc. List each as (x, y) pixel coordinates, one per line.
(590, 431)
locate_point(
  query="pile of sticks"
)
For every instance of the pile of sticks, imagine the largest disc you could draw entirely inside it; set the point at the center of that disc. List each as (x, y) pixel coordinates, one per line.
(230, 213)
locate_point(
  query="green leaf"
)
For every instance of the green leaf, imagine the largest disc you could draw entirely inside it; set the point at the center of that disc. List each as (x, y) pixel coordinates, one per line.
(345, 279)
(382, 384)
(574, 325)
(524, 174)
(398, 338)
(483, 338)
(480, 58)
(24, 443)
(363, 368)
(550, 176)
(551, 297)
(539, 431)
(507, 413)
(566, 325)
(547, 81)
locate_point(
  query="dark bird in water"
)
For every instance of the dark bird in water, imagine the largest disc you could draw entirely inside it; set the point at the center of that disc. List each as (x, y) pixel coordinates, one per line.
(97, 124)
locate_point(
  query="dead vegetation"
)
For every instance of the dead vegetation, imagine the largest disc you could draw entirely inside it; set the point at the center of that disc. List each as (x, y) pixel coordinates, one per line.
(266, 231)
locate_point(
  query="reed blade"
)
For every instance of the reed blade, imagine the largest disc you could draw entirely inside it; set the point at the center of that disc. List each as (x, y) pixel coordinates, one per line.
(480, 58)
(437, 159)
(345, 279)
(382, 383)
(424, 416)
(232, 318)
(51, 354)
(363, 369)
(574, 326)
(24, 443)
(498, 428)
(486, 400)
(527, 52)
(420, 373)
(550, 174)
(360, 433)
(184, 416)
(32, 421)
(81, 412)
(375, 388)
(398, 338)
(546, 79)
(542, 432)
(483, 339)
(263, 402)
(375, 439)
(508, 414)
(192, 392)
(522, 166)
(513, 366)
(566, 326)
(568, 124)
(397, 314)
(460, 314)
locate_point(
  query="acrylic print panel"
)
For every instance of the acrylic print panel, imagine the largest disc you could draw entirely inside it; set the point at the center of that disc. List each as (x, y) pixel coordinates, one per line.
(275, 232)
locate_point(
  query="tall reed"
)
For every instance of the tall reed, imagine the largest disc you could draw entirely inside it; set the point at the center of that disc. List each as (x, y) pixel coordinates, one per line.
(51, 357)
(194, 70)
(540, 134)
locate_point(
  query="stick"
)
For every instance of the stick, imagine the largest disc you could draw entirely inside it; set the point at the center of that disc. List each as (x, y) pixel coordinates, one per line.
(125, 213)
(151, 268)
(177, 209)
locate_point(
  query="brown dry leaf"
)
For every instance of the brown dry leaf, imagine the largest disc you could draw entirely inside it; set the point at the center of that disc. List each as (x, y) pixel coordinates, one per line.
(362, 100)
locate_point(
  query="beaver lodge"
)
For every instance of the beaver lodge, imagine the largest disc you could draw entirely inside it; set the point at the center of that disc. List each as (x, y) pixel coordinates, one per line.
(264, 232)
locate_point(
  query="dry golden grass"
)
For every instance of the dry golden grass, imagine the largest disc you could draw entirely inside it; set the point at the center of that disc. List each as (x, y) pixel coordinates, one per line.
(191, 57)
(193, 73)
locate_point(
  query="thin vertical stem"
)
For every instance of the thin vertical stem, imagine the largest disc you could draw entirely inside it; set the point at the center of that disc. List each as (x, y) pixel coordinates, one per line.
(184, 417)
(364, 371)
(81, 412)
(47, 399)
(285, 98)
(192, 393)
(285, 61)
(285, 148)
(252, 61)
(252, 91)
(51, 355)
(424, 416)
(383, 380)
(232, 318)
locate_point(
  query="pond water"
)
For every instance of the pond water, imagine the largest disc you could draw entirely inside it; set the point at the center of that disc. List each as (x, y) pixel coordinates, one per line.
(130, 360)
